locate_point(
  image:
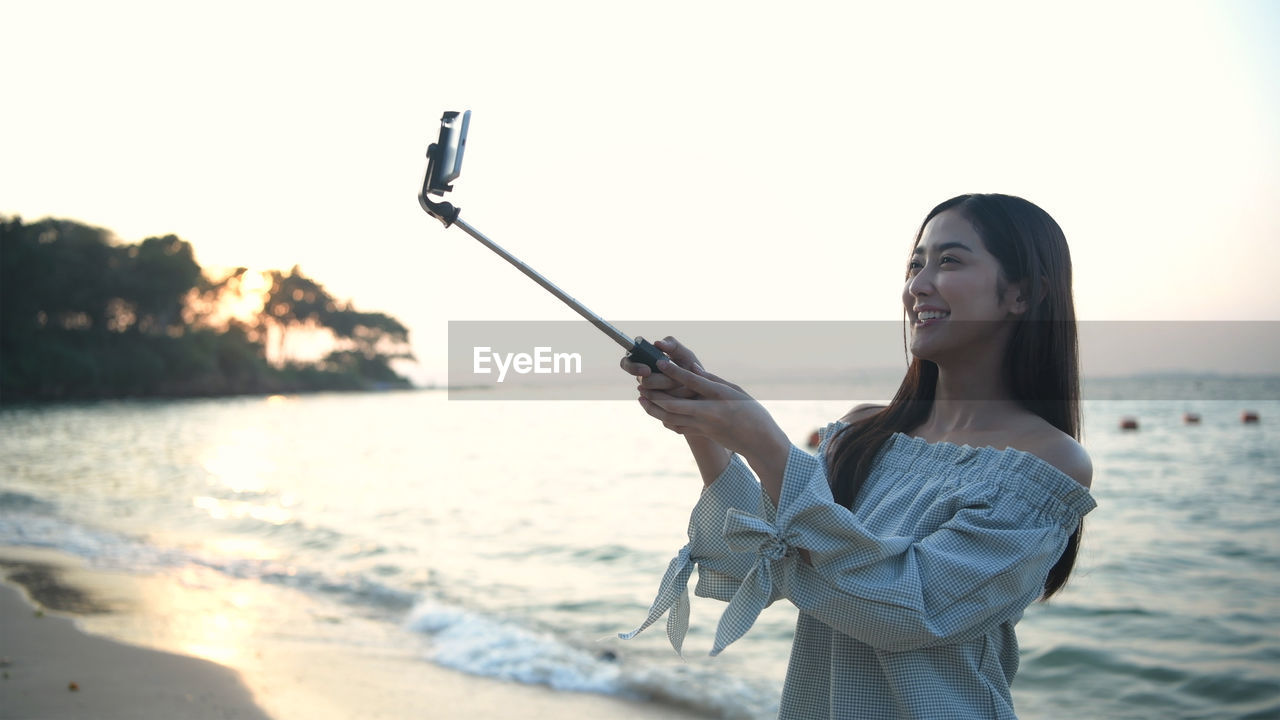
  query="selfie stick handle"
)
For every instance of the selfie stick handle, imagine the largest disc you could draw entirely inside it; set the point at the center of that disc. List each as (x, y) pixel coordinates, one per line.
(641, 350)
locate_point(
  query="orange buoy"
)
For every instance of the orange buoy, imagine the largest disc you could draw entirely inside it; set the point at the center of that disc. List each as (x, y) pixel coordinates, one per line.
(1128, 423)
(1249, 416)
(814, 439)
(1191, 418)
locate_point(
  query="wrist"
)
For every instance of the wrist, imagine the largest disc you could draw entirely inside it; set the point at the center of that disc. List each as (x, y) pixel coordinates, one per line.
(711, 457)
(768, 458)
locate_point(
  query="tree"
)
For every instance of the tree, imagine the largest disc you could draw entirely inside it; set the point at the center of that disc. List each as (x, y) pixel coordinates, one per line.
(56, 273)
(367, 343)
(160, 273)
(369, 333)
(293, 301)
(82, 316)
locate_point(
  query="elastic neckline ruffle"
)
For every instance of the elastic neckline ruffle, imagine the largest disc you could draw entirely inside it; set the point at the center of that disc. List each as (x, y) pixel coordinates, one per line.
(1012, 469)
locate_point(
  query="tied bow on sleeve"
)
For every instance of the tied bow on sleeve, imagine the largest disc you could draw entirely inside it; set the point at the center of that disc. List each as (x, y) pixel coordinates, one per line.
(674, 591)
(744, 533)
(748, 533)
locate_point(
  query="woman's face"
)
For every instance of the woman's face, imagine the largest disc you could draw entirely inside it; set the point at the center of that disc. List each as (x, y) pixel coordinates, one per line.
(952, 294)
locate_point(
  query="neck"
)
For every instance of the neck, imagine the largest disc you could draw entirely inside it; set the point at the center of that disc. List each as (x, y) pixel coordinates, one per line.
(972, 395)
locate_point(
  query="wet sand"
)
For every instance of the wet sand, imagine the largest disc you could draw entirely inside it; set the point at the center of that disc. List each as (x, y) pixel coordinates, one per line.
(52, 669)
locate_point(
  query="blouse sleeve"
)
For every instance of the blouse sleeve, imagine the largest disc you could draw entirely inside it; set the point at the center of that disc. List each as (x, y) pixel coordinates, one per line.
(980, 567)
(721, 569)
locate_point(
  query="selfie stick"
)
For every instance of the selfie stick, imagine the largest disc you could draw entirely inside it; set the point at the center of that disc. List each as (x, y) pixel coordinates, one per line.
(444, 162)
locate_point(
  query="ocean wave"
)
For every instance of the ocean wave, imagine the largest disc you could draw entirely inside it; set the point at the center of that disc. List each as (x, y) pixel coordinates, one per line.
(480, 644)
(21, 502)
(609, 554)
(1185, 690)
(110, 550)
(47, 530)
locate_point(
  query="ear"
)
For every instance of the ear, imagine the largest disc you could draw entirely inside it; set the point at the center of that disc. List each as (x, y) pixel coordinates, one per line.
(1018, 304)
(1018, 296)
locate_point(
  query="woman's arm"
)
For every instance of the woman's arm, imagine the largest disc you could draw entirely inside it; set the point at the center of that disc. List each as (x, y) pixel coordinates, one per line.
(710, 456)
(982, 566)
(725, 414)
(721, 569)
(985, 563)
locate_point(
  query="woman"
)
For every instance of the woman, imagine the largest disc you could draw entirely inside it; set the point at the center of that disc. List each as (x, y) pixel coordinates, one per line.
(915, 539)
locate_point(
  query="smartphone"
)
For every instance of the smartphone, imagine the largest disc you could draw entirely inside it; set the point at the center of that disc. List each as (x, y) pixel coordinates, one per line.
(445, 156)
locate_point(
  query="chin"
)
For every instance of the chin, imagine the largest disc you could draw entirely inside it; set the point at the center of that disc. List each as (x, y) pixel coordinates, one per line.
(923, 347)
(929, 349)
(921, 351)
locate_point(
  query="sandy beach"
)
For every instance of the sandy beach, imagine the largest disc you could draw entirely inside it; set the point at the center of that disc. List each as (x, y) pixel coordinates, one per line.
(53, 669)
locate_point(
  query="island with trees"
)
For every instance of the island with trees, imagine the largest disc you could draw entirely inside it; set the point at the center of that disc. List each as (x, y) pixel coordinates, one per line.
(83, 316)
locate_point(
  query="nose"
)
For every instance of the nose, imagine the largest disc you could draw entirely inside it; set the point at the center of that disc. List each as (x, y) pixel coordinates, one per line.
(921, 283)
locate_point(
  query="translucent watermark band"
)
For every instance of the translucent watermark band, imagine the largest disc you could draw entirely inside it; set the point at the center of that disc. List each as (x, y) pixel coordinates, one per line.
(827, 360)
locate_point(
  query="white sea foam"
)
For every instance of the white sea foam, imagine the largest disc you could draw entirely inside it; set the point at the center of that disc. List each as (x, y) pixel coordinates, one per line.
(481, 645)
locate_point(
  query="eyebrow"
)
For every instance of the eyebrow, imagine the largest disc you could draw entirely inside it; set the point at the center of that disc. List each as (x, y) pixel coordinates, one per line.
(944, 247)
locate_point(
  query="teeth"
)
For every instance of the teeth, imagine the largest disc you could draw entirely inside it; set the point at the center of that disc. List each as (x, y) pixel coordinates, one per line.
(931, 315)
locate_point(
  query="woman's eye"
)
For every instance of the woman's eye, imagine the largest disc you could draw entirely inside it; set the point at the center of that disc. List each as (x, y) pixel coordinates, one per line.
(946, 258)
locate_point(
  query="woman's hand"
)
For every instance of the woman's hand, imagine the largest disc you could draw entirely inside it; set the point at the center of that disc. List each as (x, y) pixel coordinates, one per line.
(647, 379)
(701, 404)
(711, 457)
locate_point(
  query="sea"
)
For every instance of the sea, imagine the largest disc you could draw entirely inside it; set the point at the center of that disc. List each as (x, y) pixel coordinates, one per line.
(514, 539)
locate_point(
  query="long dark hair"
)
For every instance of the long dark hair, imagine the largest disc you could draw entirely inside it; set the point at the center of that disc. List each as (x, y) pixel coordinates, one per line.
(1041, 359)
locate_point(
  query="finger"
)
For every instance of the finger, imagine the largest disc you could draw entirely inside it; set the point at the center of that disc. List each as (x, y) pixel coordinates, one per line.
(681, 354)
(675, 423)
(722, 381)
(695, 382)
(698, 369)
(665, 384)
(669, 421)
(665, 400)
(688, 412)
(659, 382)
(639, 370)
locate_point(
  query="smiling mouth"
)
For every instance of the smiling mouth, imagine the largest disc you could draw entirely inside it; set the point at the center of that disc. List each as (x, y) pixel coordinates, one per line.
(926, 319)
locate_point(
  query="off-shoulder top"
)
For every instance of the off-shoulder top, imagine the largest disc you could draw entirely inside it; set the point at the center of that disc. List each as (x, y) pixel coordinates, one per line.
(908, 601)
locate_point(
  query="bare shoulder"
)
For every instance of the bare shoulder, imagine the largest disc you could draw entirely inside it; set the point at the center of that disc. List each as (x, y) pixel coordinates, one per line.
(1061, 451)
(861, 412)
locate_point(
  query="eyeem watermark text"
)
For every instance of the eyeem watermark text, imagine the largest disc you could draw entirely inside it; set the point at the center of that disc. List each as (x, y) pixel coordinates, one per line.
(542, 362)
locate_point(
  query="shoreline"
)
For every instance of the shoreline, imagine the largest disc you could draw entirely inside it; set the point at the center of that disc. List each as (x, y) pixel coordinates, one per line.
(52, 670)
(58, 617)
(7, 402)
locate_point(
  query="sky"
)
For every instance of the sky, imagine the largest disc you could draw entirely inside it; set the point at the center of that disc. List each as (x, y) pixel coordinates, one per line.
(665, 160)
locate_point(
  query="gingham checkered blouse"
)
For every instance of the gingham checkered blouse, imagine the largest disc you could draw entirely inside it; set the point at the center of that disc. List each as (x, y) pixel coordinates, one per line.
(908, 608)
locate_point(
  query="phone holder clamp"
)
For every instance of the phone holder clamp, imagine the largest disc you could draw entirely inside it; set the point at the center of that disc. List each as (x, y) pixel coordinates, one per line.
(445, 212)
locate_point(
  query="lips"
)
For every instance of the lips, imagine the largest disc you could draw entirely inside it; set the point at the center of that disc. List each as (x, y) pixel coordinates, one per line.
(925, 318)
